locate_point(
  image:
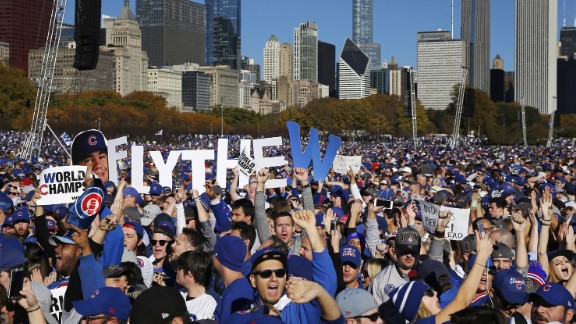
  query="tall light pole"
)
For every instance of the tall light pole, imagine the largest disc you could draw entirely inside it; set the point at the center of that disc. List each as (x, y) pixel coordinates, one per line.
(222, 116)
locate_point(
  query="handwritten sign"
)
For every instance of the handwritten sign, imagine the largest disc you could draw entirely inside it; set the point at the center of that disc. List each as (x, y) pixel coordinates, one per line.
(343, 163)
(61, 185)
(457, 228)
(430, 214)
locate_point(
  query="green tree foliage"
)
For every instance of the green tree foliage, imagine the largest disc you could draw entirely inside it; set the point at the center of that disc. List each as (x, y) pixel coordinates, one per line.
(17, 96)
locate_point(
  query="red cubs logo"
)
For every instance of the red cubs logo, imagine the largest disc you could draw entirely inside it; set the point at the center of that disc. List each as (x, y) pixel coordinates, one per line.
(92, 140)
(91, 204)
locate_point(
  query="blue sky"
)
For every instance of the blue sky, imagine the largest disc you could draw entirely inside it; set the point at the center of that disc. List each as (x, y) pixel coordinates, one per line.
(396, 23)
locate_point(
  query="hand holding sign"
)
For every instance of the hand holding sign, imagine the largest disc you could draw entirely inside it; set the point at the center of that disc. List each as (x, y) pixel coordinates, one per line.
(301, 174)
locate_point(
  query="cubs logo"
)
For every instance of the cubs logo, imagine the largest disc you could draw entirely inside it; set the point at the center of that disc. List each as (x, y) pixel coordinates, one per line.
(92, 140)
(90, 203)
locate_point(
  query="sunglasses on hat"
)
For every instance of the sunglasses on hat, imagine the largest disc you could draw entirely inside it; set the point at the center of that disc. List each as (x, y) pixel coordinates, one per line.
(372, 317)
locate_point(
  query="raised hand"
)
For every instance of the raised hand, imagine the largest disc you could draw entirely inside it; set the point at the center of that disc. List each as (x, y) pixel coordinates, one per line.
(518, 221)
(301, 175)
(443, 219)
(305, 219)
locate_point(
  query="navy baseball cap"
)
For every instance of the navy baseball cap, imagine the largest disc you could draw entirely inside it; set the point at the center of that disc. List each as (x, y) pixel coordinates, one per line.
(350, 254)
(20, 215)
(86, 143)
(553, 294)
(155, 189)
(510, 284)
(109, 301)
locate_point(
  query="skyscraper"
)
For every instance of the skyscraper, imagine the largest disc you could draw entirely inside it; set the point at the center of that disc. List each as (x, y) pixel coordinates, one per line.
(271, 58)
(223, 33)
(476, 37)
(536, 61)
(440, 60)
(24, 26)
(353, 72)
(568, 41)
(327, 66)
(306, 52)
(173, 31)
(286, 61)
(363, 29)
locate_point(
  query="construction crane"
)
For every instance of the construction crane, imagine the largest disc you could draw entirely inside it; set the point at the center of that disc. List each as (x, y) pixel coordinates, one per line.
(413, 107)
(33, 144)
(459, 104)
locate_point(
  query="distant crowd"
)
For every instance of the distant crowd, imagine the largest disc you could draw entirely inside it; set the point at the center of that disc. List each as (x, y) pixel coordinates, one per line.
(370, 245)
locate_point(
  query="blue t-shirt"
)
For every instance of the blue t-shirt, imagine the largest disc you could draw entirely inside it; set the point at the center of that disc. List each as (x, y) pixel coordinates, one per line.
(238, 296)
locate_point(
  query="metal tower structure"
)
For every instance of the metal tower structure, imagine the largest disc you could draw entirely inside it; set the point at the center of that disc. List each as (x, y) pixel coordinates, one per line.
(33, 145)
(413, 108)
(459, 104)
(523, 108)
(551, 125)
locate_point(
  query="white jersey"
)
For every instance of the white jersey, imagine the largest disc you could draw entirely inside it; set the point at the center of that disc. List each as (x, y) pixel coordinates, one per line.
(201, 307)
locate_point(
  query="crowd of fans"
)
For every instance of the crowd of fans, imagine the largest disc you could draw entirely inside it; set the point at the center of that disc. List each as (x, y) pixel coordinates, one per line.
(352, 248)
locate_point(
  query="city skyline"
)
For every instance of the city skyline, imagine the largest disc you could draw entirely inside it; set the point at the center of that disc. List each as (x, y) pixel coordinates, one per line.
(395, 23)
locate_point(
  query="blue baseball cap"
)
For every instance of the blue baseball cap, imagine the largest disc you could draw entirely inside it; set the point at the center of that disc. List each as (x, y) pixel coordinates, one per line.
(106, 300)
(553, 294)
(56, 240)
(135, 226)
(20, 215)
(109, 184)
(510, 284)
(130, 191)
(5, 202)
(155, 189)
(61, 211)
(86, 143)
(350, 254)
(320, 218)
(230, 252)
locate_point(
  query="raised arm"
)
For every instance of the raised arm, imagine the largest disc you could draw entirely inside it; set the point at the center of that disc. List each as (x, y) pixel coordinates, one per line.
(546, 208)
(260, 221)
(519, 224)
(234, 185)
(204, 219)
(468, 288)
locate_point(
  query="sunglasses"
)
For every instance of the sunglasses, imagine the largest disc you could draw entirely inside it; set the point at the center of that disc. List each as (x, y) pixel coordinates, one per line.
(372, 317)
(13, 193)
(162, 242)
(429, 292)
(265, 274)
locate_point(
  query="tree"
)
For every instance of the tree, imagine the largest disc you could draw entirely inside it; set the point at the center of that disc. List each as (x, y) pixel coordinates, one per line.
(16, 99)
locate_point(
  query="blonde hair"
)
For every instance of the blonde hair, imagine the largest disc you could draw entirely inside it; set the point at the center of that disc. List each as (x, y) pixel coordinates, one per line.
(552, 276)
(423, 312)
(373, 266)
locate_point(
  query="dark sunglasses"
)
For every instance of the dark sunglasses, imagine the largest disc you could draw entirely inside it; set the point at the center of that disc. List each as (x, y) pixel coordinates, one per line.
(265, 274)
(162, 242)
(13, 193)
(491, 270)
(373, 317)
(429, 292)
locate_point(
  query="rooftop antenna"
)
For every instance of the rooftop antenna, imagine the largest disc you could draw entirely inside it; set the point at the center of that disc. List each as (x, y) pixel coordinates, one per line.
(452, 22)
(564, 14)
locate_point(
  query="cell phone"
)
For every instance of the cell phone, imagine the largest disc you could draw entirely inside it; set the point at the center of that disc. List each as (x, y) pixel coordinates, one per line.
(387, 204)
(481, 228)
(16, 282)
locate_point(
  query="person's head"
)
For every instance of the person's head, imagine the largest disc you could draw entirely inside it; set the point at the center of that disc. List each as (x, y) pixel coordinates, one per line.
(116, 276)
(229, 253)
(552, 303)
(105, 305)
(268, 275)
(21, 222)
(415, 300)
(358, 306)
(306, 249)
(133, 233)
(496, 207)
(407, 247)
(487, 275)
(162, 241)
(246, 232)
(355, 239)
(243, 211)
(351, 265)
(188, 240)
(284, 227)
(478, 314)
(159, 305)
(193, 267)
(502, 256)
(561, 266)
(510, 290)
(66, 252)
(90, 147)
(130, 197)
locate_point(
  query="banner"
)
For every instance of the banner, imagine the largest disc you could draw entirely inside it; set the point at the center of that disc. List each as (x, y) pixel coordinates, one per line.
(343, 163)
(457, 228)
(247, 164)
(61, 185)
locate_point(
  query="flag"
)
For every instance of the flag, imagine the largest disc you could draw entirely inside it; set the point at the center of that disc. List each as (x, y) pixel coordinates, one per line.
(66, 139)
(159, 133)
